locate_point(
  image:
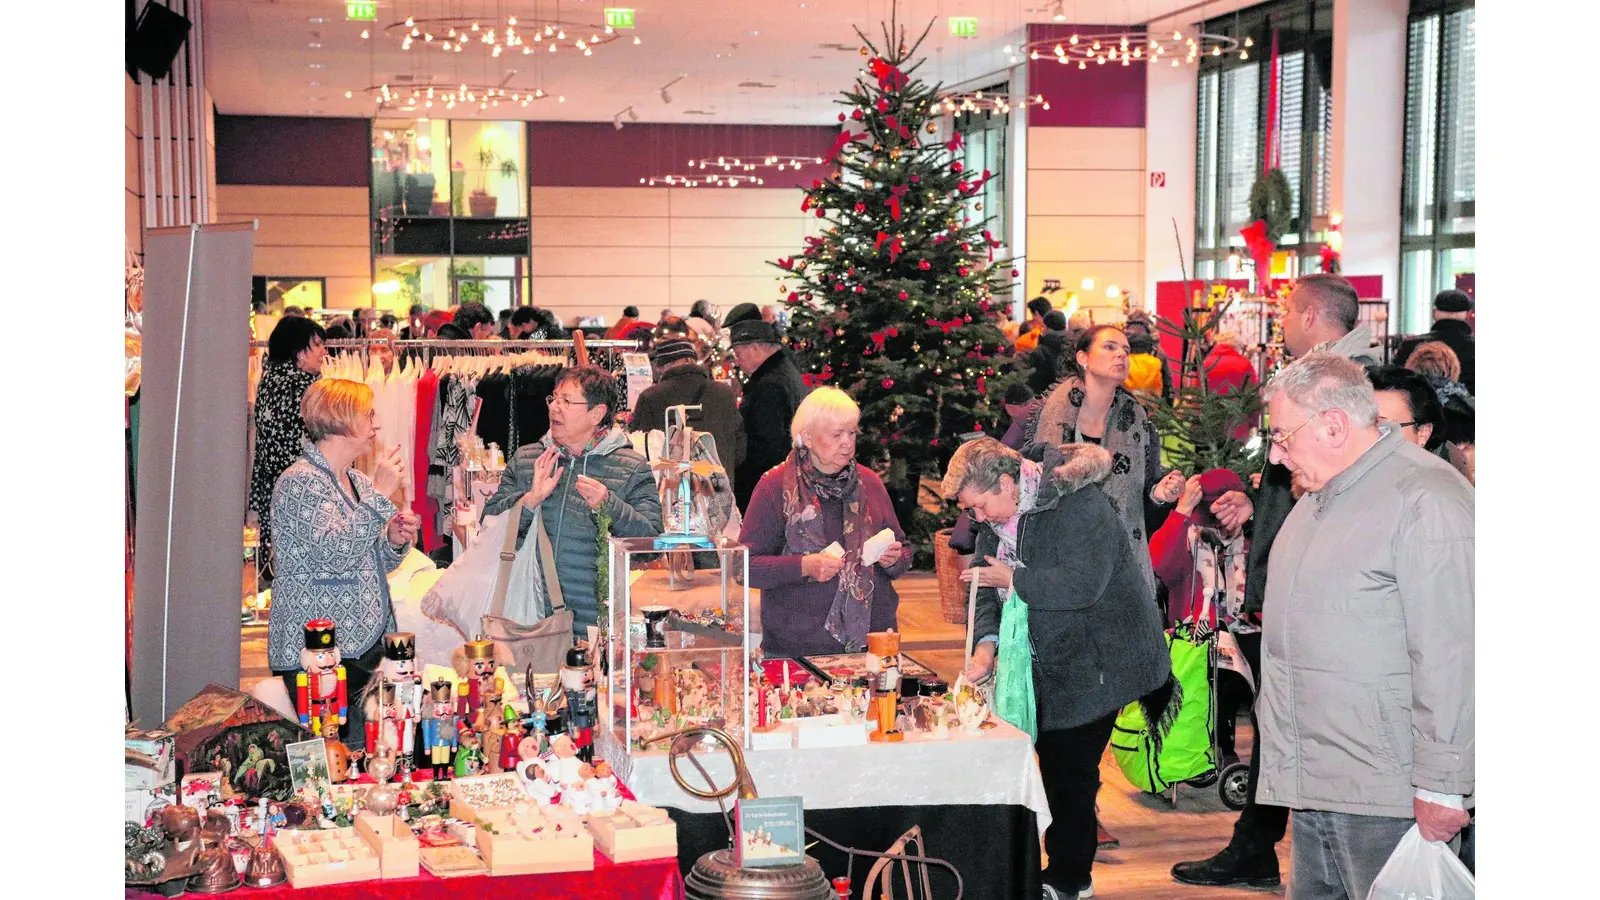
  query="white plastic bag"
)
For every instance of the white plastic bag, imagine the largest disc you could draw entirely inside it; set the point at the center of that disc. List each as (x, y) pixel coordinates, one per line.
(461, 597)
(1421, 869)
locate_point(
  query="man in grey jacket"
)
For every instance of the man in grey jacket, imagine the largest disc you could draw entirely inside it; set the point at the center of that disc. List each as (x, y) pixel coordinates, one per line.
(1366, 706)
(1320, 315)
(581, 468)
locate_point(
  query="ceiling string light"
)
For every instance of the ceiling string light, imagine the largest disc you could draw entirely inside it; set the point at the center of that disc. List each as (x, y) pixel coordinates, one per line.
(453, 34)
(709, 179)
(985, 102)
(440, 96)
(776, 161)
(1129, 47)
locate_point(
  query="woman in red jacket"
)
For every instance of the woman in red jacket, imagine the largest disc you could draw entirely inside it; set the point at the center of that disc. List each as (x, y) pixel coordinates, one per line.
(1203, 566)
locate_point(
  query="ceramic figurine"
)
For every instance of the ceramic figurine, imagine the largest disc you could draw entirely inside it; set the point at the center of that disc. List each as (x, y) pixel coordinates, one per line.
(440, 729)
(320, 684)
(475, 667)
(469, 756)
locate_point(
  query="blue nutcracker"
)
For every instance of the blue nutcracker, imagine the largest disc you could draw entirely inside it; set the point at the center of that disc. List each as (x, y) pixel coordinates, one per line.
(440, 728)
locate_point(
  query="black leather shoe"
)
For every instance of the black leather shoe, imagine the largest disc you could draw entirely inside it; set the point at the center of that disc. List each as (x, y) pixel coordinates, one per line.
(1231, 869)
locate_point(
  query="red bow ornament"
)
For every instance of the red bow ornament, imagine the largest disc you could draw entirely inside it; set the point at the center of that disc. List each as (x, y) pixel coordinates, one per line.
(889, 77)
(1259, 248)
(955, 144)
(895, 193)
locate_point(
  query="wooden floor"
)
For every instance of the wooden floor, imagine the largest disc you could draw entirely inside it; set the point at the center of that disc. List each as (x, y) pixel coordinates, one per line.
(1154, 835)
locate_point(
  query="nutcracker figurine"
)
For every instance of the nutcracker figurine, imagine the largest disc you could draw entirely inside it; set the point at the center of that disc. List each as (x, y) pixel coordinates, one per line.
(469, 757)
(476, 667)
(320, 684)
(577, 681)
(385, 715)
(510, 744)
(439, 729)
(399, 668)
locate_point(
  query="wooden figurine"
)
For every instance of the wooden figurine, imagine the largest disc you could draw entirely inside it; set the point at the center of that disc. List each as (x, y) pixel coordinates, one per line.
(320, 684)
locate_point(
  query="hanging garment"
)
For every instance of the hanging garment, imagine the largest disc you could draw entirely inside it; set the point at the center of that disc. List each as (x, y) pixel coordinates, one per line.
(423, 505)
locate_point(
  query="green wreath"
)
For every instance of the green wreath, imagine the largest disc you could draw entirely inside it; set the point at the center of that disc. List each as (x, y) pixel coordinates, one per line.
(1271, 202)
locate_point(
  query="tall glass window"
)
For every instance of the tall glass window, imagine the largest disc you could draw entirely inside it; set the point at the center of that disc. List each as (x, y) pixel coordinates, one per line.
(450, 213)
(983, 148)
(1233, 135)
(1439, 190)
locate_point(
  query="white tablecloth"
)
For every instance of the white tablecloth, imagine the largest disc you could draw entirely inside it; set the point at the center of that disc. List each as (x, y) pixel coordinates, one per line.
(997, 767)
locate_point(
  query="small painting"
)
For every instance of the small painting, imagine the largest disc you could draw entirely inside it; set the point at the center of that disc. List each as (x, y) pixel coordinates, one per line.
(308, 765)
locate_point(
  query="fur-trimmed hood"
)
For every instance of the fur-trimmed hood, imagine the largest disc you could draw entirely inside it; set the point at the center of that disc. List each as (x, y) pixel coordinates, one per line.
(1070, 467)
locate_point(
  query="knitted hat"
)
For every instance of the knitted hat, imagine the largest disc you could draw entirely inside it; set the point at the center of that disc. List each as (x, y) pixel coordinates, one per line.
(1213, 484)
(1452, 301)
(673, 349)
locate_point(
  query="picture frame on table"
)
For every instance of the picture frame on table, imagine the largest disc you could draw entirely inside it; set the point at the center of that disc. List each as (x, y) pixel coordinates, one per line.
(830, 666)
(772, 832)
(308, 764)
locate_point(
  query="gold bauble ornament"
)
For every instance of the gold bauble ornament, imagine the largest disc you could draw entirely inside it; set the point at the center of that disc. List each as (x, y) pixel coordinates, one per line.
(978, 206)
(895, 153)
(863, 51)
(933, 127)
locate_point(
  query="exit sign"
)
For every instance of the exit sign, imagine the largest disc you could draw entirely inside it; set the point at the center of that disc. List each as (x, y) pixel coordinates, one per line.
(361, 10)
(964, 26)
(619, 18)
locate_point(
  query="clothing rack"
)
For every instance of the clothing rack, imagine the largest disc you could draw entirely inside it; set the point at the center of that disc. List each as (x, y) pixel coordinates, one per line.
(609, 353)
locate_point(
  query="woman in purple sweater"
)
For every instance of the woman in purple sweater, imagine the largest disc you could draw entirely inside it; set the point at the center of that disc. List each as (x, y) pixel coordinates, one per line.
(811, 602)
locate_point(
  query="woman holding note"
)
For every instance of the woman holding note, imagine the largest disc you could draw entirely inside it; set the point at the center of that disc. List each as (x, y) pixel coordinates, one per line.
(825, 546)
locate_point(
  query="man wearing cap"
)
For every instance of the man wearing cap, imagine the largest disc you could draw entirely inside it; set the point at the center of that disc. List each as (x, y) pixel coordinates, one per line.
(1452, 311)
(680, 380)
(773, 389)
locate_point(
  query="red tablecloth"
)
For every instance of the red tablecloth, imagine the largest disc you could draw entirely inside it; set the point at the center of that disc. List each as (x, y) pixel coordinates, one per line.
(654, 880)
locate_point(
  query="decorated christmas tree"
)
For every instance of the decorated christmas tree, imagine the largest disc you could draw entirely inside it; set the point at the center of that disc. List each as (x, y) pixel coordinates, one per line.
(890, 303)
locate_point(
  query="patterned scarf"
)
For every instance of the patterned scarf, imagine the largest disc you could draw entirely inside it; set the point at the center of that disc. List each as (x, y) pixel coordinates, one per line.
(804, 489)
(1027, 495)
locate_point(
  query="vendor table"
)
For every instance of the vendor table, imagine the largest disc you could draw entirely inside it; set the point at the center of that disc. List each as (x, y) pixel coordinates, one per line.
(979, 801)
(652, 880)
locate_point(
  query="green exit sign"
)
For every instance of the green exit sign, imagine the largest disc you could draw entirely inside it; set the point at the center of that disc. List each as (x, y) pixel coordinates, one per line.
(619, 18)
(361, 10)
(964, 26)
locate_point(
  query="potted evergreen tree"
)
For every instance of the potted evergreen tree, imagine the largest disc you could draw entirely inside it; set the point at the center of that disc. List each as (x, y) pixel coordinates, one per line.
(481, 202)
(1204, 429)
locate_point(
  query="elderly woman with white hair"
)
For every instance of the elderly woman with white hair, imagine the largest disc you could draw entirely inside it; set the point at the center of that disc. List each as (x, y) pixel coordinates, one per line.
(813, 601)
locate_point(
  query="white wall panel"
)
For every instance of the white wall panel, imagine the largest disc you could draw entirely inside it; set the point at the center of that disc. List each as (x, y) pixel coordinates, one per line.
(1084, 192)
(603, 203)
(237, 200)
(1086, 148)
(568, 262)
(609, 231)
(735, 203)
(1114, 238)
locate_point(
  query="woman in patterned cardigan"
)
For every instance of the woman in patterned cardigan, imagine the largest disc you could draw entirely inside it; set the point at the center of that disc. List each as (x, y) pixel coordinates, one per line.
(337, 537)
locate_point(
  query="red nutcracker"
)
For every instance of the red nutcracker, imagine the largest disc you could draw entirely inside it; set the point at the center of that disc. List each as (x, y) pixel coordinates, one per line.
(320, 684)
(510, 744)
(476, 667)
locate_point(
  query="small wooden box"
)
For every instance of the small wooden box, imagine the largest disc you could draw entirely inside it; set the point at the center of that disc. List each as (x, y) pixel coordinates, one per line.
(466, 792)
(624, 839)
(398, 849)
(333, 856)
(511, 848)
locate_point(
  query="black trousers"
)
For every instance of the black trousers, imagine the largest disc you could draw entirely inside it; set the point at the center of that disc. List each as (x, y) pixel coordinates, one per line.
(1233, 694)
(1259, 828)
(1069, 765)
(357, 672)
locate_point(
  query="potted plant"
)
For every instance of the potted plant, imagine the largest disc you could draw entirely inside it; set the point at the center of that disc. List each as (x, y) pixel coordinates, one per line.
(458, 187)
(481, 201)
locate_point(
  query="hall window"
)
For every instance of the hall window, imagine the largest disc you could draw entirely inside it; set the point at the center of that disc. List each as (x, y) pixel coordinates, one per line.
(983, 147)
(1236, 128)
(1439, 192)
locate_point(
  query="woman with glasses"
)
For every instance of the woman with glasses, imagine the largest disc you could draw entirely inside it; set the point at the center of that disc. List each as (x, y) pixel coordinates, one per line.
(1090, 406)
(582, 468)
(814, 601)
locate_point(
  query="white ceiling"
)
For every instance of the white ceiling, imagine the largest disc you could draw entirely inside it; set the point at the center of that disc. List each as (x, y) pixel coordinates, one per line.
(261, 61)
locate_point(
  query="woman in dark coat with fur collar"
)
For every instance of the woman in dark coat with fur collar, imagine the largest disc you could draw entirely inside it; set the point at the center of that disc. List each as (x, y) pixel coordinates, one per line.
(1096, 639)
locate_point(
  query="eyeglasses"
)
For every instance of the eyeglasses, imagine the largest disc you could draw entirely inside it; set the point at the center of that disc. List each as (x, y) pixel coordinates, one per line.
(1411, 424)
(1282, 440)
(554, 401)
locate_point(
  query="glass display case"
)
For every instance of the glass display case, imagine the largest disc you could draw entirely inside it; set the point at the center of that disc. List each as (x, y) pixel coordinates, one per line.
(678, 648)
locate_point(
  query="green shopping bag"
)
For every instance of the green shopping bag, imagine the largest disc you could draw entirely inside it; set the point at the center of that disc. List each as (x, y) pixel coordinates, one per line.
(1179, 747)
(1013, 680)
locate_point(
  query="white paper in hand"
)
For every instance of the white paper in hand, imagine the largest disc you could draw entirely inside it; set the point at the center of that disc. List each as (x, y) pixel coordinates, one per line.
(833, 550)
(872, 550)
